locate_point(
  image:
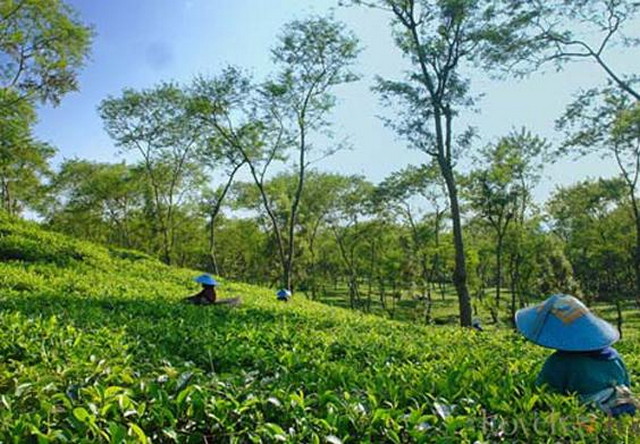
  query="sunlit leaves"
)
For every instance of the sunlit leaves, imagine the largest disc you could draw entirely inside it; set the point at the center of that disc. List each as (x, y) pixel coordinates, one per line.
(97, 348)
(43, 44)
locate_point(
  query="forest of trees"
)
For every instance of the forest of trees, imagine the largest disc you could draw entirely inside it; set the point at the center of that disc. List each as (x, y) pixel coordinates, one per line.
(224, 173)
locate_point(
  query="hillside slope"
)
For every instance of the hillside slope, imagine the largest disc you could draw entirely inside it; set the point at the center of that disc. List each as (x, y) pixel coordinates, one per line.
(95, 346)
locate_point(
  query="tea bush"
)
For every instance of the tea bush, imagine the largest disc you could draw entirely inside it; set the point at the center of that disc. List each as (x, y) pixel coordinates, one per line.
(95, 346)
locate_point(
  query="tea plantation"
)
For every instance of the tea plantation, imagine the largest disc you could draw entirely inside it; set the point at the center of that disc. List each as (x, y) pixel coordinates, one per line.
(95, 346)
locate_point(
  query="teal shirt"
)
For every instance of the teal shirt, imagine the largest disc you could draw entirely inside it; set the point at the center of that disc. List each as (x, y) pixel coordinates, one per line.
(583, 373)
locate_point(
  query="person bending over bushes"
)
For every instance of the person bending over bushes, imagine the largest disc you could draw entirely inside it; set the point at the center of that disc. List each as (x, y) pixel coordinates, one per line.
(584, 362)
(283, 295)
(208, 295)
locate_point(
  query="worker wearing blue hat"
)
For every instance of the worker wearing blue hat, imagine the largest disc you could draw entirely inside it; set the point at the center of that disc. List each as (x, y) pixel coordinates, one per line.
(208, 293)
(208, 296)
(584, 361)
(283, 295)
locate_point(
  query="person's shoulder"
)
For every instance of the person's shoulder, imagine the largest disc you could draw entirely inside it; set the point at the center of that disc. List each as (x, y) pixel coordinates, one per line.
(558, 356)
(560, 361)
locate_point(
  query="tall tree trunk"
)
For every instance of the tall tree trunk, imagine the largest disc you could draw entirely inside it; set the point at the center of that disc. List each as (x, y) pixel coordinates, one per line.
(215, 210)
(166, 248)
(636, 258)
(513, 279)
(274, 222)
(427, 310)
(619, 317)
(436, 256)
(286, 279)
(7, 199)
(293, 216)
(159, 223)
(460, 270)
(443, 141)
(212, 245)
(499, 269)
(383, 295)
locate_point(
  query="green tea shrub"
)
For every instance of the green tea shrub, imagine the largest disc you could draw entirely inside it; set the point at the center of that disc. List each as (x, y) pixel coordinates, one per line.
(100, 349)
(26, 242)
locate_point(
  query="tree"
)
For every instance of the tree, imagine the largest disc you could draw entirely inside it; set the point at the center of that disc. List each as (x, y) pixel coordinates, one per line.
(494, 195)
(244, 250)
(210, 98)
(563, 31)
(352, 205)
(159, 125)
(101, 197)
(236, 132)
(24, 161)
(586, 30)
(43, 44)
(607, 122)
(313, 56)
(399, 190)
(317, 202)
(501, 190)
(592, 217)
(212, 202)
(439, 37)
(384, 252)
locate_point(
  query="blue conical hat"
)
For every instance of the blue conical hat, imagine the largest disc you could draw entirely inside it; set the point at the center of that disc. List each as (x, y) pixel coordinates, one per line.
(206, 279)
(283, 293)
(564, 323)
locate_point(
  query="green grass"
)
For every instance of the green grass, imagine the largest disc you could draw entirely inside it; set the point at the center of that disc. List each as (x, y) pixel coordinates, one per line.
(95, 346)
(405, 308)
(444, 310)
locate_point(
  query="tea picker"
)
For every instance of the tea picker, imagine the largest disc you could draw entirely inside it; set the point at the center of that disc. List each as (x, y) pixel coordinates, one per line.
(283, 295)
(584, 362)
(208, 295)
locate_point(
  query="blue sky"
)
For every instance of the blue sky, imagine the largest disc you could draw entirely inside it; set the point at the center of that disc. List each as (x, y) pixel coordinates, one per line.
(142, 42)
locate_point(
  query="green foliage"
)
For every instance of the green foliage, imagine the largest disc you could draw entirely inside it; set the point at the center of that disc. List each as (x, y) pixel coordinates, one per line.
(500, 195)
(560, 31)
(23, 160)
(593, 219)
(602, 120)
(25, 242)
(313, 56)
(43, 44)
(606, 121)
(99, 349)
(441, 39)
(159, 124)
(96, 201)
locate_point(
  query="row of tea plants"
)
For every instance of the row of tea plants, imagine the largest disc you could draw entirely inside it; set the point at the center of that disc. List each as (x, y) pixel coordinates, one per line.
(95, 346)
